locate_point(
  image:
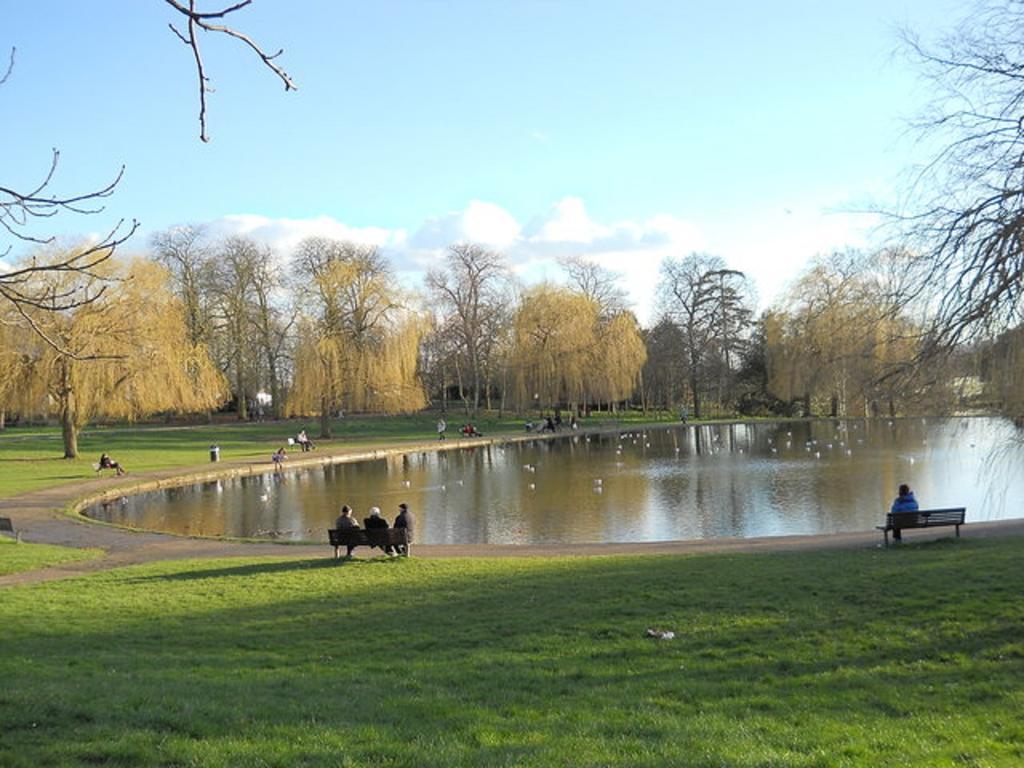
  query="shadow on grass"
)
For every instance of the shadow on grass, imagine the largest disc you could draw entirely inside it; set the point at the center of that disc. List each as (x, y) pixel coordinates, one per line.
(269, 568)
(484, 662)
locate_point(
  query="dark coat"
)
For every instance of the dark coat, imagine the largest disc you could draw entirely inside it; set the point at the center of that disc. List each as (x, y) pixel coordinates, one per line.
(375, 521)
(345, 522)
(405, 520)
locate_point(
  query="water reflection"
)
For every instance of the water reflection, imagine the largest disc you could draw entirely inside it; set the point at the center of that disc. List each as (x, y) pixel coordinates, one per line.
(686, 482)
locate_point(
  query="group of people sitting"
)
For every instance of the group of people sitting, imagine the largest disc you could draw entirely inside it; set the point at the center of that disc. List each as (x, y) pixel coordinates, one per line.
(376, 521)
(549, 424)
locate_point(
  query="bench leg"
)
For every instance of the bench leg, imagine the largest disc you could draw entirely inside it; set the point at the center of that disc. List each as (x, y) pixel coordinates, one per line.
(337, 550)
(885, 533)
(958, 531)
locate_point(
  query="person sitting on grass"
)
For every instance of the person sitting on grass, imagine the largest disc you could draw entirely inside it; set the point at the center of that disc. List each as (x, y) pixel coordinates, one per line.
(106, 462)
(470, 431)
(377, 523)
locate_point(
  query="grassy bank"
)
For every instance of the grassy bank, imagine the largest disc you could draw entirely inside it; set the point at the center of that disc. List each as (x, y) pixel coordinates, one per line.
(902, 657)
(31, 457)
(15, 557)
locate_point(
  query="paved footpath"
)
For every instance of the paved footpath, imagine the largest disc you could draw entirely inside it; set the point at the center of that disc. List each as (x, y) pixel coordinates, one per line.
(41, 517)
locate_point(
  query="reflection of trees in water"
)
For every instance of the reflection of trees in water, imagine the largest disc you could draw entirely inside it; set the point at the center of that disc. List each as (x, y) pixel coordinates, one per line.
(684, 482)
(1001, 467)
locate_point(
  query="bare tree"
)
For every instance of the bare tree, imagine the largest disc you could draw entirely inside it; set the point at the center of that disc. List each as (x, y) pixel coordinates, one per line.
(23, 207)
(968, 223)
(472, 290)
(704, 298)
(596, 283)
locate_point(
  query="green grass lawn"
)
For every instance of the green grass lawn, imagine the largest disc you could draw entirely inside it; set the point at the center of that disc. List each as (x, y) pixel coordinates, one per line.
(31, 457)
(15, 557)
(912, 656)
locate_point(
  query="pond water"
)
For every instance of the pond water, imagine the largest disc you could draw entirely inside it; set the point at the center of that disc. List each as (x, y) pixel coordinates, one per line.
(654, 484)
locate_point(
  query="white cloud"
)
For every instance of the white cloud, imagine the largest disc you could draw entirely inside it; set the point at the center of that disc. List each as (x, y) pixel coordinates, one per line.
(567, 222)
(285, 234)
(770, 248)
(484, 223)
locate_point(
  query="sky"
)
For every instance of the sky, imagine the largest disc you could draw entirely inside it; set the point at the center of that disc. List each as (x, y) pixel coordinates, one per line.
(625, 131)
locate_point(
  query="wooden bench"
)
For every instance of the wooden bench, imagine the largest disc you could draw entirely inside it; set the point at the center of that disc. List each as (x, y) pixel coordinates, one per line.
(375, 537)
(7, 526)
(921, 518)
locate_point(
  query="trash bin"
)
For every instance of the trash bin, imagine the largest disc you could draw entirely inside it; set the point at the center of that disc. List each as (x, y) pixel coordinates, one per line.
(214, 453)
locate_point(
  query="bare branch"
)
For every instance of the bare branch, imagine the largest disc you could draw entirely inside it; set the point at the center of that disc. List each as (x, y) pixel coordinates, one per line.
(10, 67)
(199, 20)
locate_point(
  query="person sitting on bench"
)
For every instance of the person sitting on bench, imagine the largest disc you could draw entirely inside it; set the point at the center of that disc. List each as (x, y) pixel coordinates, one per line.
(106, 462)
(376, 522)
(345, 519)
(346, 522)
(407, 521)
(304, 442)
(905, 502)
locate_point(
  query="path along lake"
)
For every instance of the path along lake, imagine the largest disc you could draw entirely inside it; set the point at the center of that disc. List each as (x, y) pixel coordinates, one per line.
(651, 484)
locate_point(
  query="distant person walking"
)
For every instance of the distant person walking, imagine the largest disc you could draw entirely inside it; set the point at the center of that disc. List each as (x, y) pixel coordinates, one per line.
(442, 427)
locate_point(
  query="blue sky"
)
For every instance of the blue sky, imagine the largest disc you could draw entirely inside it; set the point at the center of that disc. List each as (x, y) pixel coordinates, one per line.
(624, 130)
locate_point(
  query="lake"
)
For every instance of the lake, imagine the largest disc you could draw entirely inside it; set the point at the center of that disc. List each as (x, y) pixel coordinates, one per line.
(652, 484)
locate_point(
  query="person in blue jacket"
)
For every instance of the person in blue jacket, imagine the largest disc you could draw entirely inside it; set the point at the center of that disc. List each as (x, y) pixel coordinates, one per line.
(905, 502)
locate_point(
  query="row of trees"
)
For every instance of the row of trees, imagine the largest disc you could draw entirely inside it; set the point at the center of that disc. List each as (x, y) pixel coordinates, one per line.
(330, 330)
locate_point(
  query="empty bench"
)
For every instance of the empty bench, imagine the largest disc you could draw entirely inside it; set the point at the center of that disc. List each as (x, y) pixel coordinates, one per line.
(375, 537)
(921, 518)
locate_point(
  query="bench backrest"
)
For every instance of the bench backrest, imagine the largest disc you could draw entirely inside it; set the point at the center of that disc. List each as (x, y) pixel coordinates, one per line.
(354, 537)
(922, 518)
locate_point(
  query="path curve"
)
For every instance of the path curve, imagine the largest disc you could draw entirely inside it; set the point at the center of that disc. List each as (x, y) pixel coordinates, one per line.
(42, 517)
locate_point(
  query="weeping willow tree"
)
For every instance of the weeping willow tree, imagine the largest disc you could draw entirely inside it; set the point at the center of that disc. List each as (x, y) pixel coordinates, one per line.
(358, 347)
(553, 337)
(565, 351)
(122, 355)
(618, 358)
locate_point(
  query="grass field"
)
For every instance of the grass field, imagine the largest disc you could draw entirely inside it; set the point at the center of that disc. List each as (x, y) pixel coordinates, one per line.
(15, 557)
(31, 457)
(912, 656)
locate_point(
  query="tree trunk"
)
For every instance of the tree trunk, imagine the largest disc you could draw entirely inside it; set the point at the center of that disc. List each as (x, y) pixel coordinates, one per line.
(325, 418)
(68, 428)
(3, 419)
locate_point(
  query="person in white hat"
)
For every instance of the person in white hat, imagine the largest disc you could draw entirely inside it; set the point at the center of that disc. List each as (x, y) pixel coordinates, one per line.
(376, 522)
